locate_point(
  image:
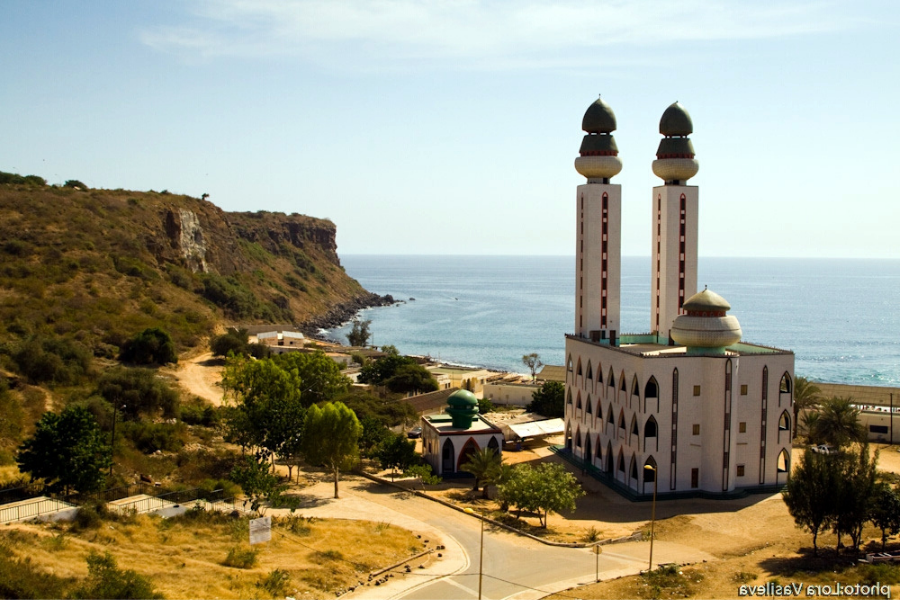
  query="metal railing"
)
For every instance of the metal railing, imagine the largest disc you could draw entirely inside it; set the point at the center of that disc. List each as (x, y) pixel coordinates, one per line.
(31, 510)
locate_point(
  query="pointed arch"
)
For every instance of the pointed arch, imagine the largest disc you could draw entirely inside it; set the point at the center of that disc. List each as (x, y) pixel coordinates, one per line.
(651, 432)
(784, 421)
(589, 376)
(569, 396)
(632, 473)
(588, 451)
(621, 462)
(578, 438)
(784, 462)
(494, 445)
(448, 456)
(568, 437)
(599, 447)
(588, 410)
(469, 448)
(570, 369)
(622, 387)
(611, 380)
(599, 374)
(578, 406)
(622, 421)
(609, 416)
(651, 393)
(786, 385)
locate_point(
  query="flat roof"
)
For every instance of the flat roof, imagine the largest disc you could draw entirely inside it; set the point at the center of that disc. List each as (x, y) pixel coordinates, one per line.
(443, 423)
(645, 345)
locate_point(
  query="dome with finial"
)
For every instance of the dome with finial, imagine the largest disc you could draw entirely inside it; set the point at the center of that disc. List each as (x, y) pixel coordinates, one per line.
(598, 158)
(705, 328)
(599, 118)
(676, 121)
(675, 162)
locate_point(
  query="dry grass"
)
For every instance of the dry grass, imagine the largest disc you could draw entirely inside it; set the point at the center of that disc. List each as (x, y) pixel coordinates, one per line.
(8, 474)
(185, 557)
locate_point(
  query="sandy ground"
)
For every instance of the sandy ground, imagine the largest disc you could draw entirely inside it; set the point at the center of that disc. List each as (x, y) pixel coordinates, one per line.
(200, 376)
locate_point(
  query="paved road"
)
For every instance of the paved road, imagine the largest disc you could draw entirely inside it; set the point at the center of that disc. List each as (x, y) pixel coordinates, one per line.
(515, 567)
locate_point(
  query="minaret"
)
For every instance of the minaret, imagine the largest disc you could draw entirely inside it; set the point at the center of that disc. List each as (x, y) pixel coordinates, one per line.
(673, 270)
(599, 228)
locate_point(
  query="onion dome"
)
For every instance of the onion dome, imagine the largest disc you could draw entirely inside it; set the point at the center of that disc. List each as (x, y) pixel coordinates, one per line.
(705, 328)
(462, 406)
(599, 155)
(675, 162)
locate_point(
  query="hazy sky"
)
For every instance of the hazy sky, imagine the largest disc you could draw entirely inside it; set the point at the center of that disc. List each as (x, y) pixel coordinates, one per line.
(452, 127)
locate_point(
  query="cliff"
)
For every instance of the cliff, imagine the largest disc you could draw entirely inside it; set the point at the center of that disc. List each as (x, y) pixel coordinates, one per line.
(99, 265)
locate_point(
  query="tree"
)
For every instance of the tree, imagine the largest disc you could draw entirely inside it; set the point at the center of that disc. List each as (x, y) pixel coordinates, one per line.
(255, 477)
(806, 396)
(320, 376)
(237, 342)
(481, 464)
(884, 511)
(331, 434)
(549, 400)
(359, 334)
(373, 433)
(838, 422)
(267, 410)
(151, 346)
(533, 362)
(66, 451)
(549, 487)
(485, 406)
(411, 377)
(424, 474)
(854, 490)
(808, 494)
(396, 453)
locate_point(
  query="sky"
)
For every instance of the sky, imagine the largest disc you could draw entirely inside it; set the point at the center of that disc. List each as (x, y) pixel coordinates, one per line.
(452, 127)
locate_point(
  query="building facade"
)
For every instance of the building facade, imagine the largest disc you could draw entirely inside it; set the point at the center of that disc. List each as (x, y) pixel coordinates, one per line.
(688, 405)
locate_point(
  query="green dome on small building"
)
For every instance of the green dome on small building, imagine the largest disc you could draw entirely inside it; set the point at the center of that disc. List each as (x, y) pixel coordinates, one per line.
(462, 408)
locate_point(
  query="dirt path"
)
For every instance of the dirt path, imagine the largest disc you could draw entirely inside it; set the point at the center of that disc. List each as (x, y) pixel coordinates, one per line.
(200, 376)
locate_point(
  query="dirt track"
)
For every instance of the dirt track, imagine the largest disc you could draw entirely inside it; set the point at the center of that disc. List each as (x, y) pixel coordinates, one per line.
(200, 376)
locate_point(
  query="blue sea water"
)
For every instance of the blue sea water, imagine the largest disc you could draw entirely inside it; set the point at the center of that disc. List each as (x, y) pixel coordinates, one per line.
(839, 316)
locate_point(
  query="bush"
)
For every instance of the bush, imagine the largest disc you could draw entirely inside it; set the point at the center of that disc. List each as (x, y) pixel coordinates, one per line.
(241, 558)
(151, 346)
(276, 583)
(199, 412)
(52, 360)
(140, 391)
(150, 437)
(106, 580)
(485, 406)
(74, 183)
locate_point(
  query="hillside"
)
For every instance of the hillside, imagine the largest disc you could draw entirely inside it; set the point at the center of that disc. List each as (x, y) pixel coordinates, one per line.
(97, 266)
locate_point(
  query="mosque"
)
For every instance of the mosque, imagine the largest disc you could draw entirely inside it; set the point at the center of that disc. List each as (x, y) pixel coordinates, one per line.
(689, 402)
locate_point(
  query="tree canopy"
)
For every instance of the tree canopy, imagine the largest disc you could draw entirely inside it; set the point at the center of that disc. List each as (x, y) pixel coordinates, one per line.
(806, 396)
(548, 487)
(331, 434)
(151, 346)
(838, 422)
(67, 451)
(482, 464)
(320, 376)
(399, 374)
(237, 342)
(533, 362)
(549, 400)
(138, 392)
(359, 333)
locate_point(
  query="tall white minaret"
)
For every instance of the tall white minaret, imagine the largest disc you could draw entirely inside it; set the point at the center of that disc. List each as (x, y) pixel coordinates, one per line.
(673, 270)
(598, 246)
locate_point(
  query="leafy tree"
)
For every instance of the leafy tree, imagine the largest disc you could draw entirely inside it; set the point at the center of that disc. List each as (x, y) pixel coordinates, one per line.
(411, 377)
(389, 411)
(548, 400)
(320, 376)
(359, 334)
(106, 581)
(838, 422)
(395, 452)
(481, 464)
(137, 392)
(424, 474)
(806, 396)
(810, 421)
(485, 406)
(66, 451)
(151, 346)
(374, 432)
(549, 487)
(255, 477)
(265, 406)
(533, 362)
(331, 436)
(74, 183)
(854, 490)
(884, 511)
(808, 494)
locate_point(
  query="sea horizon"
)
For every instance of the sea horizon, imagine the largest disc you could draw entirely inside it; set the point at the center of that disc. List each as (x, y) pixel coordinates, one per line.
(837, 315)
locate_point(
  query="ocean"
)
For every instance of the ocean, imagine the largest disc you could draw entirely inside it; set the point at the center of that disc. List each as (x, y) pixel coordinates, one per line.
(839, 316)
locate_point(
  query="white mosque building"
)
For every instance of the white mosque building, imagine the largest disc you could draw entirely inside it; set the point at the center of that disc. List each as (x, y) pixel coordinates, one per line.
(688, 402)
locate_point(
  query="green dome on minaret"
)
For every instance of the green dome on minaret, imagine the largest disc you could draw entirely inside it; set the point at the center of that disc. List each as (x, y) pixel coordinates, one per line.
(462, 408)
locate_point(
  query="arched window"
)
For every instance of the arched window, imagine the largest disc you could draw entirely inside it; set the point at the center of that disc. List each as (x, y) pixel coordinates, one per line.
(578, 404)
(609, 458)
(785, 387)
(622, 420)
(635, 391)
(633, 470)
(578, 372)
(590, 372)
(651, 390)
(470, 448)
(622, 387)
(784, 462)
(650, 428)
(599, 373)
(609, 417)
(494, 445)
(578, 439)
(448, 457)
(568, 396)
(589, 410)
(621, 462)
(599, 455)
(784, 423)
(634, 426)
(649, 474)
(588, 451)
(611, 379)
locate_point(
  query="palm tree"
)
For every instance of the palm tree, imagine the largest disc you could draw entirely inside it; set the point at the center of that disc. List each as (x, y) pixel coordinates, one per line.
(810, 421)
(838, 422)
(481, 464)
(806, 396)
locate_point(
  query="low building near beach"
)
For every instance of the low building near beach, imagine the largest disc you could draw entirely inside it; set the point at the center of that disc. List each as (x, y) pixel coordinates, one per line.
(449, 438)
(687, 409)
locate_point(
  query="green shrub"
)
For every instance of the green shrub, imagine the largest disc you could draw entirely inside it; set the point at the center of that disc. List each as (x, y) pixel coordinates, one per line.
(150, 437)
(73, 183)
(140, 391)
(199, 412)
(52, 360)
(241, 558)
(151, 346)
(106, 580)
